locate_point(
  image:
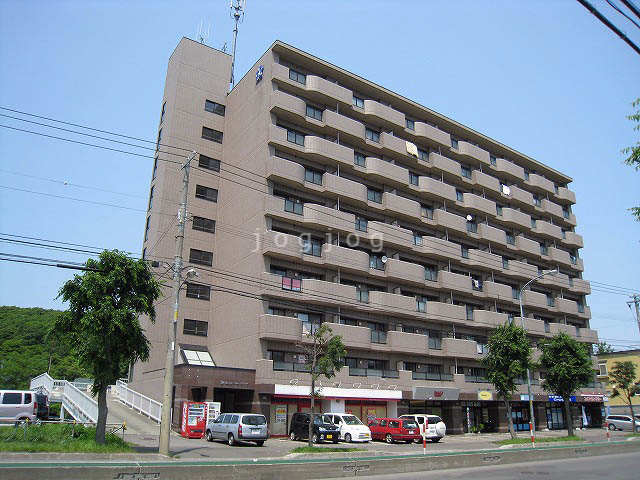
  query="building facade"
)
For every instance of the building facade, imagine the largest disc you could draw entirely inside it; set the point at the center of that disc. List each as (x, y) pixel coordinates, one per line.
(317, 196)
(606, 362)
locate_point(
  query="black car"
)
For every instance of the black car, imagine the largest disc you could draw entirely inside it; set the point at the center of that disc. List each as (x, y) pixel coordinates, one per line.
(323, 429)
(43, 406)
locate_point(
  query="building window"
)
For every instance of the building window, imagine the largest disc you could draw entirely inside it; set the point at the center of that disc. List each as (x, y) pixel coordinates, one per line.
(580, 307)
(375, 261)
(293, 206)
(311, 247)
(533, 223)
(421, 304)
(435, 340)
(314, 112)
(492, 160)
(200, 257)
(372, 135)
(526, 176)
(536, 201)
(602, 369)
(197, 357)
(358, 102)
(359, 159)
(454, 143)
(464, 251)
(312, 176)
(472, 227)
(295, 137)
(195, 327)
(362, 294)
(565, 212)
(550, 301)
(499, 210)
(144, 253)
(469, 309)
(293, 284)
(413, 178)
(543, 249)
(511, 240)
(505, 263)
(431, 273)
(465, 171)
(206, 193)
(204, 224)
(427, 211)
(196, 290)
(459, 196)
(155, 168)
(150, 198)
(417, 239)
(515, 293)
(423, 155)
(361, 224)
(411, 125)
(573, 258)
(211, 134)
(164, 107)
(209, 163)
(277, 311)
(297, 76)
(374, 195)
(146, 228)
(214, 107)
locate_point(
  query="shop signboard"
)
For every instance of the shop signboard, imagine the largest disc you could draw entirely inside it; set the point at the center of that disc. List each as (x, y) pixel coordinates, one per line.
(524, 397)
(435, 393)
(485, 395)
(558, 398)
(281, 414)
(371, 415)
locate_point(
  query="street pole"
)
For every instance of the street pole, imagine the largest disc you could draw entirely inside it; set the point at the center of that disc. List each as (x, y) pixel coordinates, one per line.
(532, 418)
(635, 299)
(167, 397)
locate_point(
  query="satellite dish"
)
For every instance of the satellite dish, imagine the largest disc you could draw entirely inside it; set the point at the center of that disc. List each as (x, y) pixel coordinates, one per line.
(384, 259)
(506, 190)
(469, 218)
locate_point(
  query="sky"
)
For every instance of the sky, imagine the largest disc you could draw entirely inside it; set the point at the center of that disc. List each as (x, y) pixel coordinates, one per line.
(542, 76)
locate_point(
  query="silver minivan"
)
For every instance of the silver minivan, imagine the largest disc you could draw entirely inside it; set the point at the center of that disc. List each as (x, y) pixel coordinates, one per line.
(18, 405)
(622, 422)
(235, 427)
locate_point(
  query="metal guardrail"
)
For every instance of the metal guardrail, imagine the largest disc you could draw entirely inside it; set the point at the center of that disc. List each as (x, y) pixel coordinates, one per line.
(141, 403)
(78, 403)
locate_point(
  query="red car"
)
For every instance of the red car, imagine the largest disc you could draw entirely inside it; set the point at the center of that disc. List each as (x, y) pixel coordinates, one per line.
(394, 429)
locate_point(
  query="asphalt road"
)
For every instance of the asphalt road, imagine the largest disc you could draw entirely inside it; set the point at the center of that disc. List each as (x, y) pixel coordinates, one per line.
(612, 467)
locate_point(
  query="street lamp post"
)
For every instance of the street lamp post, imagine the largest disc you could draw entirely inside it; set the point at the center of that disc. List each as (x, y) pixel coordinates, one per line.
(532, 421)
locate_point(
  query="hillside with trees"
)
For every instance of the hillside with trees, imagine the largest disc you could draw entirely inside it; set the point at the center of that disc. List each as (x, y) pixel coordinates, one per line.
(27, 348)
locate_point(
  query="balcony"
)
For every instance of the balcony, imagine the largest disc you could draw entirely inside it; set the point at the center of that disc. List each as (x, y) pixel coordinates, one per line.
(384, 114)
(282, 245)
(578, 265)
(566, 196)
(492, 234)
(546, 229)
(527, 246)
(316, 87)
(327, 293)
(521, 196)
(439, 248)
(485, 181)
(355, 337)
(509, 169)
(385, 172)
(411, 343)
(335, 186)
(404, 271)
(515, 218)
(569, 307)
(393, 303)
(497, 291)
(534, 299)
(391, 235)
(347, 259)
(479, 205)
(455, 281)
(580, 286)
(538, 182)
(286, 171)
(484, 260)
(488, 319)
(369, 372)
(556, 328)
(345, 126)
(288, 107)
(559, 280)
(455, 347)
(401, 206)
(573, 239)
(434, 376)
(315, 148)
(450, 220)
(553, 209)
(327, 218)
(390, 144)
(275, 327)
(475, 379)
(448, 167)
(587, 335)
(520, 270)
(533, 326)
(435, 189)
(472, 153)
(560, 256)
(432, 133)
(446, 312)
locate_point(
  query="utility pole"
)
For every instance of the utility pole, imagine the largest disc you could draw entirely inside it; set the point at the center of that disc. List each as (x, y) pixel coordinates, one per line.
(167, 397)
(635, 299)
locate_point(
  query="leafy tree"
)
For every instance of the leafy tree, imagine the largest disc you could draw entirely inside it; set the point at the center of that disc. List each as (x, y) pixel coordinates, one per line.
(623, 378)
(324, 353)
(633, 160)
(568, 368)
(102, 320)
(603, 347)
(508, 359)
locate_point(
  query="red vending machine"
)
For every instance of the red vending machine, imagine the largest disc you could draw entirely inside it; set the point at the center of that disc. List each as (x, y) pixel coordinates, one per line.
(193, 419)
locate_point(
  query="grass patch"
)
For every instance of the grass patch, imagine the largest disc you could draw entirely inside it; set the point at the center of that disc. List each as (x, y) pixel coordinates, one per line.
(633, 435)
(58, 438)
(525, 440)
(308, 449)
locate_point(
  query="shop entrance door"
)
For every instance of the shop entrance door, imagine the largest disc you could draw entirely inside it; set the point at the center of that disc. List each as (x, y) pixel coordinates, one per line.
(520, 417)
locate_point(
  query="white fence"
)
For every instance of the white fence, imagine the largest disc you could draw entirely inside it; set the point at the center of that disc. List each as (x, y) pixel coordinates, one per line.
(78, 403)
(145, 405)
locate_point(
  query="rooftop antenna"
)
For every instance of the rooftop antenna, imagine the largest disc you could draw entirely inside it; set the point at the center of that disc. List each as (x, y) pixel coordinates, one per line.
(203, 35)
(236, 12)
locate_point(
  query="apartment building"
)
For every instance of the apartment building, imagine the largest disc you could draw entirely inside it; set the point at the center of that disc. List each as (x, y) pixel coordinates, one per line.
(606, 361)
(318, 196)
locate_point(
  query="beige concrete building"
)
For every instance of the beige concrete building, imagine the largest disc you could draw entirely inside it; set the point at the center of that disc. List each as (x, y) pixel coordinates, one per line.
(319, 196)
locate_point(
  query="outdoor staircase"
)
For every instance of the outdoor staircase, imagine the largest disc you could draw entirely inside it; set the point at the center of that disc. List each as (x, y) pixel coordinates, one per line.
(74, 397)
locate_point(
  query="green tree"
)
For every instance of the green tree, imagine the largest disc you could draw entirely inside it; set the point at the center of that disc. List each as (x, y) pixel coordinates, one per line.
(102, 320)
(633, 160)
(623, 378)
(508, 359)
(603, 347)
(567, 367)
(324, 353)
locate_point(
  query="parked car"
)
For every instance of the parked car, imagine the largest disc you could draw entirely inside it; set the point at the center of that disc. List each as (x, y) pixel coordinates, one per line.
(43, 406)
(436, 429)
(351, 428)
(323, 428)
(237, 427)
(18, 405)
(622, 422)
(394, 429)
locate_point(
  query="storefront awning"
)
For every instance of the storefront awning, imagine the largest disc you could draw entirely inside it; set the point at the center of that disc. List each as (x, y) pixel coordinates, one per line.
(337, 392)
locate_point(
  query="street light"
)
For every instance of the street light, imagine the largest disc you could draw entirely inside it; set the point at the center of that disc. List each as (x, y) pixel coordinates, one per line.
(532, 421)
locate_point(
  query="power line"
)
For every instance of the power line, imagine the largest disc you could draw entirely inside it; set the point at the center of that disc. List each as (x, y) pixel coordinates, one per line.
(617, 9)
(610, 25)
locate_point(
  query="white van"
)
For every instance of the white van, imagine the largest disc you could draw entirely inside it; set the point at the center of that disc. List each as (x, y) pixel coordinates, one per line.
(18, 405)
(351, 428)
(436, 429)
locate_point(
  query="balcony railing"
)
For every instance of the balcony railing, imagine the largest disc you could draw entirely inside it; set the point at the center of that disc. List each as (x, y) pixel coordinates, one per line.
(290, 367)
(373, 372)
(475, 378)
(444, 377)
(378, 336)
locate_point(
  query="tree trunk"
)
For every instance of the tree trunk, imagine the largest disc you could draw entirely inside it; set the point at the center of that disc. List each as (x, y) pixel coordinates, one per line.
(101, 426)
(313, 397)
(510, 418)
(568, 414)
(633, 417)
